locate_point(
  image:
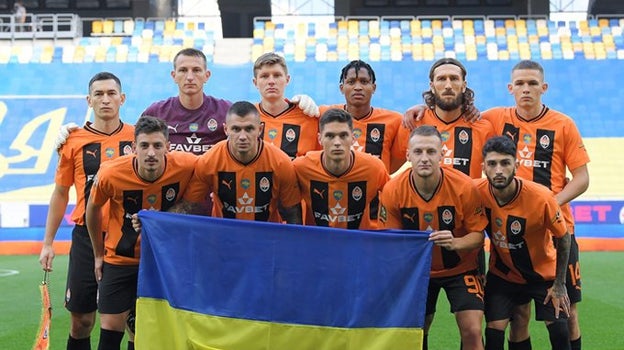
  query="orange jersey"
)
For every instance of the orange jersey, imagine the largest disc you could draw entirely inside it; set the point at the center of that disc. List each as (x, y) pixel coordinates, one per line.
(249, 191)
(521, 231)
(462, 142)
(80, 159)
(292, 131)
(118, 182)
(455, 206)
(347, 201)
(377, 134)
(546, 146)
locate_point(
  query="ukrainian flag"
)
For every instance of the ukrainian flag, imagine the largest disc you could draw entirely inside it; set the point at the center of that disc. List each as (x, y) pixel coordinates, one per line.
(208, 283)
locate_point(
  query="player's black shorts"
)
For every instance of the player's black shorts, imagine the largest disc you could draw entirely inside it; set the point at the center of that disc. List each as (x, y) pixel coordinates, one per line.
(502, 296)
(573, 275)
(464, 292)
(118, 288)
(81, 288)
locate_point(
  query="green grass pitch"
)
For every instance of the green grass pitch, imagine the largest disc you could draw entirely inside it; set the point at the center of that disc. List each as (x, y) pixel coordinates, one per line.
(600, 311)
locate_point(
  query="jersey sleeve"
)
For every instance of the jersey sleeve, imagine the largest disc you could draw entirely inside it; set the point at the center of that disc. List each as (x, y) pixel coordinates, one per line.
(389, 213)
(474, 216)
(289, 192)
(65, 169)
(200, 184)
(575, 151)
(399, 146)
(554, 218)
(496, 117)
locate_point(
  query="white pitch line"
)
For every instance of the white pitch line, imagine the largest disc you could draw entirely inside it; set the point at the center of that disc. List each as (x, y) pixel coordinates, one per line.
(7, 273)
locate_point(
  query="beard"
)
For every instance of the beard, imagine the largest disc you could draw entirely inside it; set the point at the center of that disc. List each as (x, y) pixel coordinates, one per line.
(445, 105)
(500, 186)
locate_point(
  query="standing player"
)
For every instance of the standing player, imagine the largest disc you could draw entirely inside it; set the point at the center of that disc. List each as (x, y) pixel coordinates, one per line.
(194, 119)
(524, 218)
(377, 131)
(251, 179)
(106, 138)
(153, 179)
(444, 202)
(337, 184)
(446, 99)
(284, 124)
(548, 142)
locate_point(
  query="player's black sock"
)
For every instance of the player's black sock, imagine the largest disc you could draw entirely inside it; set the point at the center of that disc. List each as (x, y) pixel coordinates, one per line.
(559, 335)
(575, 344)
(110, 340)
(520, 345)
(425, 342)
(78, 344)
(130, 345)
(494, 339)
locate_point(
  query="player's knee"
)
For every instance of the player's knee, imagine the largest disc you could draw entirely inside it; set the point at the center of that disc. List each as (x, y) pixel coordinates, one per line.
(82, 325)
(471, 334)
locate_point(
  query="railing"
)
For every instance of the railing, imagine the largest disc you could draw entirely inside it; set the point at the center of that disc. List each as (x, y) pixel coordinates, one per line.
(41, 26)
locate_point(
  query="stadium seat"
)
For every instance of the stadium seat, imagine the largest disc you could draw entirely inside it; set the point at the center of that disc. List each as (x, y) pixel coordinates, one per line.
(108, 27)
(97, 27)
(128, 27)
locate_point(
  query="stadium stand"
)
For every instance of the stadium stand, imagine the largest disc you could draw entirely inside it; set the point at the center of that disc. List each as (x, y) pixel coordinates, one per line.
(387, 38)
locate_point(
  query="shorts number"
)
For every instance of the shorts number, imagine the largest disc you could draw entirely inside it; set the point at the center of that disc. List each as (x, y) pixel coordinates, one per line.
(474, 285)
(575, 273)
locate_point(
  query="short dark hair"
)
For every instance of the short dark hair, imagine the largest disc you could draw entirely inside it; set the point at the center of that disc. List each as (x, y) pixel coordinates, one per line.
(426, 130)
(499, 144)
(104, 76)
(148, 125)
(335, 115)
(241, 109)
(192, 52)
(357, 65)
(528, 64)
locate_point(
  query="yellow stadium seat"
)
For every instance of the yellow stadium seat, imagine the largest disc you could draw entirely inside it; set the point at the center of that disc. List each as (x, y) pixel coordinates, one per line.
(97, 27)
(503, 55)
(170, 27)
(47, 54)
(373, 29)
(100, 54)
(353, 28)
(415, 28)
(108, 26)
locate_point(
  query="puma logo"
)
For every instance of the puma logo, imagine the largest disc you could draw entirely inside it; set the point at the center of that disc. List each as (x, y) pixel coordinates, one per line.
(319, 193)
(228, 184)
(133, 200)
(174, 128)
(92, 153)
(409, 217)
(511, 135)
